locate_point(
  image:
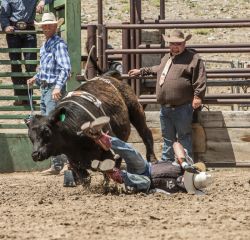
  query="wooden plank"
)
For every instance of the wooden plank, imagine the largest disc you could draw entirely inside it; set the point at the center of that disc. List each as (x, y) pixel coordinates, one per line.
(233, 135)
(237, 119)
(226, 152)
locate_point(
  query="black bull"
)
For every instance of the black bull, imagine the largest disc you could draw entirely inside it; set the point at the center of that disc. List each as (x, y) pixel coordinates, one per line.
(57, 133)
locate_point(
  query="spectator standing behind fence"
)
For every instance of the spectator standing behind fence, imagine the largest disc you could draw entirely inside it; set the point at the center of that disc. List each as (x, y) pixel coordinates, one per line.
(20, 15)
(53, 73)
(180, 88)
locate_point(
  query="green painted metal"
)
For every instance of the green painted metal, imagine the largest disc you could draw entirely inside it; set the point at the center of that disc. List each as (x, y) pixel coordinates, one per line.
(19, 108)
(59, 3)
(18, 50)
(18, 98)
(13, 126)
(71, 34)
(16, 152)
(17, 74)
(21, 86)
(18, 62)
(6, 116)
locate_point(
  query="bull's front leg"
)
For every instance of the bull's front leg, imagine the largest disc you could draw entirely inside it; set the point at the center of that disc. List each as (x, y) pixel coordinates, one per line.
(81, 175)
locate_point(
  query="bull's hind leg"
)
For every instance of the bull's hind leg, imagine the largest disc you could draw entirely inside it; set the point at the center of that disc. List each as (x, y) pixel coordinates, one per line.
(138, 120)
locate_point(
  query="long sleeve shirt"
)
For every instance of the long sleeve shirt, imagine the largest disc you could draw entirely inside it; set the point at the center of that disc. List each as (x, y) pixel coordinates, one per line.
(54, 62)
(18, 10)
(185, 79)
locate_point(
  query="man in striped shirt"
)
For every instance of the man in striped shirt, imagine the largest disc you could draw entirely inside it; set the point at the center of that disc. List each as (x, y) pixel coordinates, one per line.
(53, 73)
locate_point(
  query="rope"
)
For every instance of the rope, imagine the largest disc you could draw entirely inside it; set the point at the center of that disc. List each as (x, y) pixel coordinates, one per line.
(31, 102)
(87, 62)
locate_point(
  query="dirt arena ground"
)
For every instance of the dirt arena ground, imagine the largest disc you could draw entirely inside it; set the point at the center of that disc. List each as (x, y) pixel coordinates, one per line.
(39, 207)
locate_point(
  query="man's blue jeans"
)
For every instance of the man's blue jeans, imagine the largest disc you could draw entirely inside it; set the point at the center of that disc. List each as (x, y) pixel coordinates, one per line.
(176, 124)
(138, 169)
(47, 105)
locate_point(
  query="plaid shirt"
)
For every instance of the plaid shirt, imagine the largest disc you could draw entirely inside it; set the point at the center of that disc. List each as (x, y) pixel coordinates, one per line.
(54, 62)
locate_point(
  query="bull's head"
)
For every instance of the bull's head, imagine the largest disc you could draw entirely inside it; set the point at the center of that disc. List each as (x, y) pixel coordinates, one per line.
(44, 134)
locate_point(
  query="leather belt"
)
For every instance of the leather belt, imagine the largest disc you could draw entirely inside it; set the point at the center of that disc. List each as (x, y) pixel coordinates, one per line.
(44, 84)
(21, 25)
(170, 106)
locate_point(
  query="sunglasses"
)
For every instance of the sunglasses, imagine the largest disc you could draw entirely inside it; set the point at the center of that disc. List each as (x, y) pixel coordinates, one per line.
(176, 43)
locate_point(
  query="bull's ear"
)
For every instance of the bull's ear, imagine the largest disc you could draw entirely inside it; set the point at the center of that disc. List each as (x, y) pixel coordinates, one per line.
(58, 116)
(27, 122)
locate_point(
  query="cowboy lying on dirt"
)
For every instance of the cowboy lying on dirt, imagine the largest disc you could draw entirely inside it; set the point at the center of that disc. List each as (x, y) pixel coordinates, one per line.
(141, 175)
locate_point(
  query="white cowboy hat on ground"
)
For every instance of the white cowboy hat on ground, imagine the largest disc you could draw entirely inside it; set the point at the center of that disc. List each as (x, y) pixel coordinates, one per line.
(194, 183)
(176, 36)
(49, 18)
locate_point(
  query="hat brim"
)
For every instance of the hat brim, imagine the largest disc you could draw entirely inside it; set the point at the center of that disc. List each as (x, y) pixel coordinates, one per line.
(59, 22)
(175, 39)
(189, 184)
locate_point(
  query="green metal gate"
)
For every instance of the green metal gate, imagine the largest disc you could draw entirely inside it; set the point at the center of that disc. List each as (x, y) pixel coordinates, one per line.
(15, 147)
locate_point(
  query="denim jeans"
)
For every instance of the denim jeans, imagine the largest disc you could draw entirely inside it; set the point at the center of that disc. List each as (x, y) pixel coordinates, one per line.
(22, 41)
(176, 124)
(47, 105)
(138, 169)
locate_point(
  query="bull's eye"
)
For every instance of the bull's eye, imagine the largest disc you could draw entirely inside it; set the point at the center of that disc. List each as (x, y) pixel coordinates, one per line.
(45, 133)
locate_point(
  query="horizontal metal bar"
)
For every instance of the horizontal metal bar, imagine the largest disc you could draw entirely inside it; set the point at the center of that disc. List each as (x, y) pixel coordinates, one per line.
(227, 164)
(18, 62)
(17, 74)
(190, 21)
(231, 45)
(24, 32)
(211, 96)
(177, 25)
(13, 126)
(205, 101)
(210, 83)
(19, 108)
(13, 116)
(19, 98)
(166, 50)
(18, 50)
(11, 86)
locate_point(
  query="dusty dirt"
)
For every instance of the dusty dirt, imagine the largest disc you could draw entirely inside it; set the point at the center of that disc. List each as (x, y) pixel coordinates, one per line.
(39, 207)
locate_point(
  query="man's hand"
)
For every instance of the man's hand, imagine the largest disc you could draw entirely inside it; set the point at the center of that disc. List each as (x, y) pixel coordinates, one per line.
(9, 29)
(31, 81)
(196, 102)
(40, 6)
(134, 72)
(56, 94)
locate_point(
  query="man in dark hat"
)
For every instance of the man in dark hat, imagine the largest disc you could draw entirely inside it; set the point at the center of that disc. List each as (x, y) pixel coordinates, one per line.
(180, 88)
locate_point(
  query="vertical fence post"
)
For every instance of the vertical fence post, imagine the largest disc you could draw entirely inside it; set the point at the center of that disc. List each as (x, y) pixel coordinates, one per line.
(91, 42)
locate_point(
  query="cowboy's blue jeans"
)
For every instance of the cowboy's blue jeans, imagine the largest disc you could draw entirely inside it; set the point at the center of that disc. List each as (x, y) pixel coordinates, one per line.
(138, 169)
(176, 124)
(47, 105)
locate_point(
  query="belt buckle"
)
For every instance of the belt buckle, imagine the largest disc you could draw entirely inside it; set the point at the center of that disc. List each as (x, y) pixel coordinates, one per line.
(21, 25)
(168, 105)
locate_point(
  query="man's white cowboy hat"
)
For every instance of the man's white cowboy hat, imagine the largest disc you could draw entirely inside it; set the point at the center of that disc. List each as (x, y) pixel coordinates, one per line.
(176, 36)
(194, 183)
(49, 18)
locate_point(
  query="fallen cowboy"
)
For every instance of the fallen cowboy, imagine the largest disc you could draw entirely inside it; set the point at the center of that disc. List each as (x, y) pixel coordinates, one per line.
(142, 176)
